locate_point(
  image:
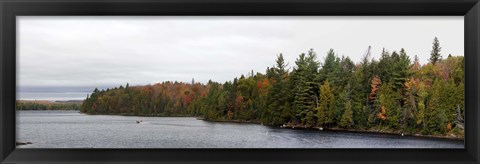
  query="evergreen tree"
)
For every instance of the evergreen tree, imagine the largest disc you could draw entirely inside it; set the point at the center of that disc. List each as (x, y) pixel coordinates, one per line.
(386, 66)
(346, 120)
(359, 98)
(278, 95)
(331, 68)
(312, 74)
(303, 101)
(401, 70)
(437, 108)
(435, 55)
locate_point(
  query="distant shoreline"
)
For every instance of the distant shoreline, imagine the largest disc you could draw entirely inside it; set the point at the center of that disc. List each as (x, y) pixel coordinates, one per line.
(53, 101)
(48, 105)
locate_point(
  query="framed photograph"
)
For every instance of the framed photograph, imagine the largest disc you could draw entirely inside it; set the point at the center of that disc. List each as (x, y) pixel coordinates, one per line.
(239, 81)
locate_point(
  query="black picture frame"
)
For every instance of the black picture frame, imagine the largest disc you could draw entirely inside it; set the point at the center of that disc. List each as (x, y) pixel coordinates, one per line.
(9, 9)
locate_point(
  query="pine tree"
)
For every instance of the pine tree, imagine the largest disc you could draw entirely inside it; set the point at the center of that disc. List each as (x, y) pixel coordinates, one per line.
(435, 55)
(346, 120)
(278, 95)
(312, 71)
(346, 71)
(401, 70)
(438, 115)
(359, 107)
(299, 83)
(331, 69)
(304, 101)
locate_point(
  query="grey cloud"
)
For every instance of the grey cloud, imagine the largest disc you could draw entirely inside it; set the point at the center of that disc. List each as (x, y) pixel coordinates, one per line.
(110, 51)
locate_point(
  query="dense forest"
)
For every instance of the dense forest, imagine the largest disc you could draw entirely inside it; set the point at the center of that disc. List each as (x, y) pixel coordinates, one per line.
(47, 105)
(394, 93)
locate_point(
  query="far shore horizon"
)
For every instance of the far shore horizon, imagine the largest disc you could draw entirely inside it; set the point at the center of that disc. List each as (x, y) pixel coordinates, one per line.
(52, 100)
(42, 100)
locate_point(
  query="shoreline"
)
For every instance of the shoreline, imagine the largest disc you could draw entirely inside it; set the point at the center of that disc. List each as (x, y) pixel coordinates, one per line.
(336, 129)
(298, 127)
(371, 131)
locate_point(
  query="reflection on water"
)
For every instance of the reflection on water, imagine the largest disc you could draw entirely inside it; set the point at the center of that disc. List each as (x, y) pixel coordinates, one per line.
(70, 129)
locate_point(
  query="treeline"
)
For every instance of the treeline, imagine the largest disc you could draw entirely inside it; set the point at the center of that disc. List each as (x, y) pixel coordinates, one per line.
(162, 99)
(394, 93)
(47, 105)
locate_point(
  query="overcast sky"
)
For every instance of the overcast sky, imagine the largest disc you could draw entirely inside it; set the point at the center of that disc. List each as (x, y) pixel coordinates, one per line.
(111, 51)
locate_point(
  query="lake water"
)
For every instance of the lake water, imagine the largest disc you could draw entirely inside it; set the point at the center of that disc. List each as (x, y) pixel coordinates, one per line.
(71, 129)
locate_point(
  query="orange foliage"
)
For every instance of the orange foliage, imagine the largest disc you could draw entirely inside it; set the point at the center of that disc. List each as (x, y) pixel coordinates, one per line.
(262, 86)
(449, 126)
(412, 82)
(187, 99)
(407, 85)
(376, 82)
(383, 114)
(239, 102)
